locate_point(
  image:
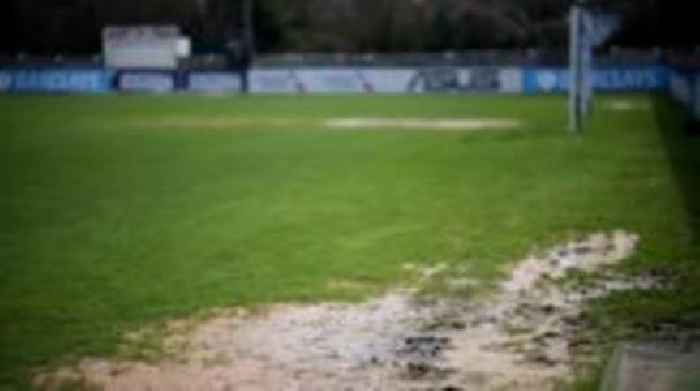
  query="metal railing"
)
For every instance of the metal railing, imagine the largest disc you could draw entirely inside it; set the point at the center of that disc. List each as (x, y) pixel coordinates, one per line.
(529, 57)
(524, 57)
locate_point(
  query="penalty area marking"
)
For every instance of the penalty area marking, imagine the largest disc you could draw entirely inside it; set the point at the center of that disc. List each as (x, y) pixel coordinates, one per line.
(423, 123)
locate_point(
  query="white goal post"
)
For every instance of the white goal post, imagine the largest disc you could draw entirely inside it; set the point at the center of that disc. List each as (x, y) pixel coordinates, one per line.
(587, 30)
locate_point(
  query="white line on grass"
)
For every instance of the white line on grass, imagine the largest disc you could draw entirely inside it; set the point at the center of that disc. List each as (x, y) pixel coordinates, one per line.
(376, 123)
(423, 123)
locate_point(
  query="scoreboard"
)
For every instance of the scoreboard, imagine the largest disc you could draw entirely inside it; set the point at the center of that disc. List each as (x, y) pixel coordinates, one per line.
(143, 47)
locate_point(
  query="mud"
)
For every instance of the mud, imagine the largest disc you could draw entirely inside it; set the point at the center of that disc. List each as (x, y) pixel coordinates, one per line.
(528, 335)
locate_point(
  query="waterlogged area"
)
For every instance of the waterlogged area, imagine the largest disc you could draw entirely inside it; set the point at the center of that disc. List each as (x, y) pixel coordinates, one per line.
(529, 335)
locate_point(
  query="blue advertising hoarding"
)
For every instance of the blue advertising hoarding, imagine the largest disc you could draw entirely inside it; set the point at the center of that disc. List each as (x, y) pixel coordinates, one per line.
(556, 80)
(56, 80)
(146, 81)
(684, 86)
(5, 81)
(214, 82)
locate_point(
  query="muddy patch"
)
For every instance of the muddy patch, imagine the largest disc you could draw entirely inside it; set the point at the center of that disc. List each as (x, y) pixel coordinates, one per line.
(528, 335)
(423, 123)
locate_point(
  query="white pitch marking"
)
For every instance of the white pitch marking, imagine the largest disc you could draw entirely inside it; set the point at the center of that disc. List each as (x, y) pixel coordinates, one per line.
(423, 123)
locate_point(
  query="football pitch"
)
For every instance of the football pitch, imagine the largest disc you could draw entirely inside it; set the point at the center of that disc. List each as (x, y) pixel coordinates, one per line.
(120, 211)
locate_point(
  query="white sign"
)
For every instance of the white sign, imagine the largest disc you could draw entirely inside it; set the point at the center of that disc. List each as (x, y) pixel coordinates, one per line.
(155, 47)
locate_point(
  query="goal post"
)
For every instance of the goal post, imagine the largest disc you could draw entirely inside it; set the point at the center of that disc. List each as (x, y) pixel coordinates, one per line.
(587, 30)
(580, 66)
(575, 69)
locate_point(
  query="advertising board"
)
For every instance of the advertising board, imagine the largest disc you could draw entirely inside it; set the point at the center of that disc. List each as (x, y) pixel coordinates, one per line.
(48, 80)
(214, 82)
(387, 80)
(5, 81)
(146, 81)
(556, 80)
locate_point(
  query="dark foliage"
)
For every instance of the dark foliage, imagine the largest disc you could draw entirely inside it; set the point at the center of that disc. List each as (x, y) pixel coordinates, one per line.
(73, 26)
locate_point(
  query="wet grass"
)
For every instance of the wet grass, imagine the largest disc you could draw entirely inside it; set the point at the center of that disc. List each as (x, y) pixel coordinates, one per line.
(111, 218)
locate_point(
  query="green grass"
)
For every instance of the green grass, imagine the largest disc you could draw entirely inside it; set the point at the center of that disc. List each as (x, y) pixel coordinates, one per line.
(119, 211)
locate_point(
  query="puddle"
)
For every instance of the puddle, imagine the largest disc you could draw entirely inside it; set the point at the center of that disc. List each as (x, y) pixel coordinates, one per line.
(526, 336)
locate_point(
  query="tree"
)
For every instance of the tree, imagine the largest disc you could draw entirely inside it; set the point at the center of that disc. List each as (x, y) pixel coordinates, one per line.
(74, 26)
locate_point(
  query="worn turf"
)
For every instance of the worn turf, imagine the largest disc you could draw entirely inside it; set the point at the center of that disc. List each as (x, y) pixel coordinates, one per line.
(119, 211)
